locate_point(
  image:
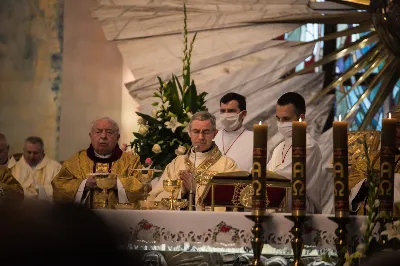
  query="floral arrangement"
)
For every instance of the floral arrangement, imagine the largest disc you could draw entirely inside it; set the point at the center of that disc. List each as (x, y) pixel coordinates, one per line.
(164, 134)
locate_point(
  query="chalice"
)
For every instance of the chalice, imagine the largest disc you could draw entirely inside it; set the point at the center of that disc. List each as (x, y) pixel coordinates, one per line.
(145, 177)
(173, 186)
(105, 181)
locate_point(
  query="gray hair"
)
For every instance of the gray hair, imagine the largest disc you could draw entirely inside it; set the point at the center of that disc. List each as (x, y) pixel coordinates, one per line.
(115, 124)
(35, 140)
(204, 116)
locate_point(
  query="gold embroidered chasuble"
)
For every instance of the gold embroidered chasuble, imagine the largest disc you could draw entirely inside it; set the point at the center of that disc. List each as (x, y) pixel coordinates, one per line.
(13, 191)
(76, 169)
(208, 164)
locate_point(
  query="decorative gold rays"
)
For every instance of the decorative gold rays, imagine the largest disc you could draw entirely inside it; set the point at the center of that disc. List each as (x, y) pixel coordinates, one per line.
(380, 24)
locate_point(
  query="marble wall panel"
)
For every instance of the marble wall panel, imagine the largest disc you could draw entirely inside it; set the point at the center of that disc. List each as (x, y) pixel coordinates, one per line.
(30, 71)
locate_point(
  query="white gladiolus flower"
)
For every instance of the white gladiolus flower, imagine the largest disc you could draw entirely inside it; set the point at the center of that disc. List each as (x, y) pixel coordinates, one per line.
(156, 148)
(173, 124)
(154, 112)
(180, 150)
(140, 120)
(143, 130)
(189, 114)
(377, 203)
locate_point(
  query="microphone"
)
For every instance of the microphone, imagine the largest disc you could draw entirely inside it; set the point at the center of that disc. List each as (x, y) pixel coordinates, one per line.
(191, 194)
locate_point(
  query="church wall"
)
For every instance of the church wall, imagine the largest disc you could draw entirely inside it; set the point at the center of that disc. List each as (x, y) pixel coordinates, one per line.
(92, 77)
(30, 71)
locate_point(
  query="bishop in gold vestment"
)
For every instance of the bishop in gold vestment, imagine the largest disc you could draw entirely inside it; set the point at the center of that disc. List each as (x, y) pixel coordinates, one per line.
(11, 192)
(203, 161)
(73, 183)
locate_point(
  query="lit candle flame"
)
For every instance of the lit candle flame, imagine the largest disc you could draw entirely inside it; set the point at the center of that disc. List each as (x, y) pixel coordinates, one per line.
(340, 118)
(390, 115)
(300, 119)
(259, 123)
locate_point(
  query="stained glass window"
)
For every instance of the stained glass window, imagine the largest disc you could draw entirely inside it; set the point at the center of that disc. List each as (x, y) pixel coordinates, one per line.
(346, 95)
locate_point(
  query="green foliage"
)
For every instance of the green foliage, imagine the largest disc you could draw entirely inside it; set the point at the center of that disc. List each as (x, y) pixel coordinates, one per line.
(164, 134)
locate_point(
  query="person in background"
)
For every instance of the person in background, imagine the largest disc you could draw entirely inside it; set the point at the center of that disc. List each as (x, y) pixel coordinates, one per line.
(291, 107)
(234, 140)
(35, 170)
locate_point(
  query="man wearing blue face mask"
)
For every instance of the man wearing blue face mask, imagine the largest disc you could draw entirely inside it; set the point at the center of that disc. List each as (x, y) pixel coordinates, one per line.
(291, 107)
(234, 140)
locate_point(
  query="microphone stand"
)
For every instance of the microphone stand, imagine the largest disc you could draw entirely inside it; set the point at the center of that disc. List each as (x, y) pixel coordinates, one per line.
(191, 194)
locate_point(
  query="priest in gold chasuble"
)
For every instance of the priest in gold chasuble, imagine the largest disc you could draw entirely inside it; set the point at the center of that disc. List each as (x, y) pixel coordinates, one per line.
(203, 161)
(76, 182)
(11, 192)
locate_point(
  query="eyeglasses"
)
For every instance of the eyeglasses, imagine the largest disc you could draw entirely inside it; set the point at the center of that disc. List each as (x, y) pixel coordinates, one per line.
(204, 133)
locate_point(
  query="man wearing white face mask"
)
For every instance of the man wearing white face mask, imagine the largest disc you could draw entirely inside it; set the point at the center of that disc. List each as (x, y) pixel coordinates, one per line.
(234, 140)
(291, 107)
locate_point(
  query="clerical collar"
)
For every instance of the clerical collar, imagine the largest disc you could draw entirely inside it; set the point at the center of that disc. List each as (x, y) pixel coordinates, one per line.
(212, 146)
(102, 156)
(94, 156)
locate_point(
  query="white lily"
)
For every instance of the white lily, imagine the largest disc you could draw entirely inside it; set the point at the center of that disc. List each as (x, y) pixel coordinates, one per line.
(186, 127)
(154, 112)
(392, 230)
(173, 124)
(166, 105)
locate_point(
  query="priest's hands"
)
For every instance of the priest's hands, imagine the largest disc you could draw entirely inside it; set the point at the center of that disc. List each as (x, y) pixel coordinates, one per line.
(186, 177)
(90, 183)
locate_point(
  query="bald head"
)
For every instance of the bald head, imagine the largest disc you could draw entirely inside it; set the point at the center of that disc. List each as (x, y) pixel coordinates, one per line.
(4, 149)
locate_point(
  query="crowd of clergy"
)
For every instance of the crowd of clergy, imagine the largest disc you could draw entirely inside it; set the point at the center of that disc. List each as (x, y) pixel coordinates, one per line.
(36, 176)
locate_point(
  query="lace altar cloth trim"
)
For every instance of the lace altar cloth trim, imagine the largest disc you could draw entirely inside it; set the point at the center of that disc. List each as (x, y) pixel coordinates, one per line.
(221, 231)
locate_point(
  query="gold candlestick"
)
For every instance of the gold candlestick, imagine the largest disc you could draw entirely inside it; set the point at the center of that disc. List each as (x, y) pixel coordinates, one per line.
(299, 168)
(341, 168)
(257, 241)
(297, 240)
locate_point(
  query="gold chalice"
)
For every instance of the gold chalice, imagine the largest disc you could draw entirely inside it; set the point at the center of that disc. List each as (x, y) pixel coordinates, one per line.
(145, 177)
(105, 181)
(173, 186)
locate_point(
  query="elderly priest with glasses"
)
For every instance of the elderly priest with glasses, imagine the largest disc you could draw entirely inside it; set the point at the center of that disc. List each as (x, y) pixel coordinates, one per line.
(200, 164)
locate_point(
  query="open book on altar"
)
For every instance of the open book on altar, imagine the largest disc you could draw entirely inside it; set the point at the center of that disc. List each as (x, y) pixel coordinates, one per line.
(234, 189)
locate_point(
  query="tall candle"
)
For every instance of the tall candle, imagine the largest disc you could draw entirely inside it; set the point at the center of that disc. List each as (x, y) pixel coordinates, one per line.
(259, 172)
(299, 168)
(387, 161)
(341, 168)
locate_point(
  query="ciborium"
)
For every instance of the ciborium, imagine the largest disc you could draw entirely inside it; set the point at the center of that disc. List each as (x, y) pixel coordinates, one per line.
(173, 186)
(105, 181)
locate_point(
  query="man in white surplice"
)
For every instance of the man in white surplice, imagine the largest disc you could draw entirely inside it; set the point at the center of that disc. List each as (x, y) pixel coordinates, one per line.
(206, 161)
(35, 170)
(291, 107)
(234, 140)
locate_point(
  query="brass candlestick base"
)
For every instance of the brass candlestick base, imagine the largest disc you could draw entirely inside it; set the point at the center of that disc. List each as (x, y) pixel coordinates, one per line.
(341, 240)
(258, 241)
(297, 240)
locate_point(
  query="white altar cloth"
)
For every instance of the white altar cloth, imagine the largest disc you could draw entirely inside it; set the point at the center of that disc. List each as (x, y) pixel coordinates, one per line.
(220, 231)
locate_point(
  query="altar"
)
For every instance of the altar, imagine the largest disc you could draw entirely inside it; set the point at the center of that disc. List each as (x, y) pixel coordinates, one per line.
(222, 232)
